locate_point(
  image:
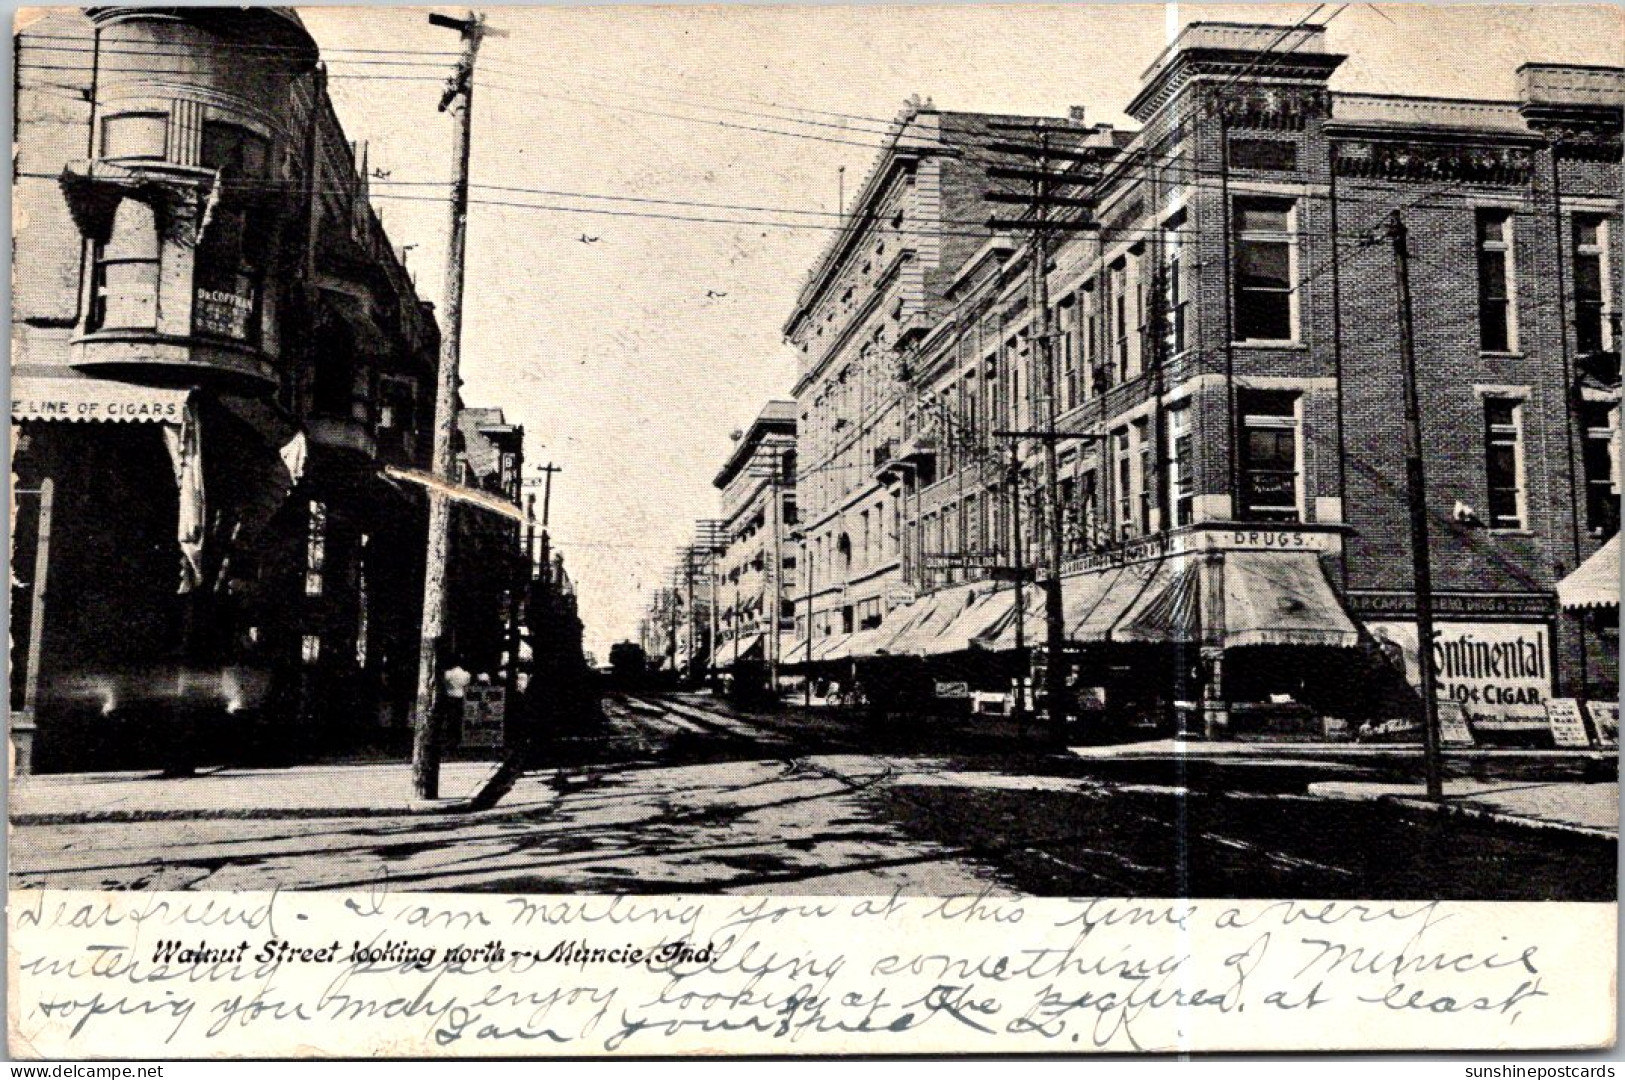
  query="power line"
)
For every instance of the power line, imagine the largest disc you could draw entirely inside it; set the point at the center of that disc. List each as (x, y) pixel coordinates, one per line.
(28, 36)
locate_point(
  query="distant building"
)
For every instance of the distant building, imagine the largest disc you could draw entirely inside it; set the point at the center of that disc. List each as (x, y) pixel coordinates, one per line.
(757, 570)
(876, 289)
(216, 350)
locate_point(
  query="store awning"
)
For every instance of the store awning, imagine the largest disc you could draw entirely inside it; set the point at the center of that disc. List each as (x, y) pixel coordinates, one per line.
(793, 653)
(1270, 598)
(91, 400)
(748, 647)
(864, 643)
(829, 647)
(1105, 601)
(931, 617)
(977, 621)
(1167, 609)
(1595, 584)
(1282, 599)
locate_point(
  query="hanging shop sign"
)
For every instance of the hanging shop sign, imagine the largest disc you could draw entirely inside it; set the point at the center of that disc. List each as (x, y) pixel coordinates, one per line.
(226, 313)
(1497, 672)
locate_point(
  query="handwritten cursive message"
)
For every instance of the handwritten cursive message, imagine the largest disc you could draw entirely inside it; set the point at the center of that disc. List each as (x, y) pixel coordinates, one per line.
(266, 974)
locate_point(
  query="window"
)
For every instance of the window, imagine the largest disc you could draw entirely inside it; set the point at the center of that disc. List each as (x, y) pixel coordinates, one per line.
(228, 274)
(1269, 457)
(1178, 306)
(1091, 356)
(1066, 320)
(1495, 329)
(1264, 270)
(1147, 480)
(1181, 466)
(315, 547)
(1601, 420)
(1263, 155)
(1120, 320)
(1503, 462)
(310, 648)
(1123, 479)
(135, 137)
(124, 284)
(234, 151)
(1591, 329)
(1088, 512)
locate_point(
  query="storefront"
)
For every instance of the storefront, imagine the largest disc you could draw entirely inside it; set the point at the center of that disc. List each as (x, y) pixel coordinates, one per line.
(140, 543)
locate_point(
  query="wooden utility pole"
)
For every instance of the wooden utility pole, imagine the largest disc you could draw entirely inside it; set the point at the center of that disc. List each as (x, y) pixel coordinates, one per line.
(1045, 178)
(1416, 494)
(459, 100)
(777, 572)
(1019, 558)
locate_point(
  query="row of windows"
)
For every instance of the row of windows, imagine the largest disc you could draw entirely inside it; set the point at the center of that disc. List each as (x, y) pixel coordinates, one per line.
(1594, 327)
(1117, 503)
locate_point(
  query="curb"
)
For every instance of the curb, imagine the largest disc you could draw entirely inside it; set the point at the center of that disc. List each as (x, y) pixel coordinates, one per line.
(486, 796)
(1467, 810)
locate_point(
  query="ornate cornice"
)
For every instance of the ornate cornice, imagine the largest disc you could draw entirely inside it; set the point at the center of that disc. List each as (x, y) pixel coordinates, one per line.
(1380, 159)
(1270, 107)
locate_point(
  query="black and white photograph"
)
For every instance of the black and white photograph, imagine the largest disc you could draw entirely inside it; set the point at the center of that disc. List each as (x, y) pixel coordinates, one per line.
(814, 529)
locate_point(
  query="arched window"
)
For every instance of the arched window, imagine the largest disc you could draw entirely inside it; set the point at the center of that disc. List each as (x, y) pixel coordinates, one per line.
(124, 285)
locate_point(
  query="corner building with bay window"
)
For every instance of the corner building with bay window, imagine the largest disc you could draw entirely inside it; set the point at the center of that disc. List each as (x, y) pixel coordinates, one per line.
(215, 351)
(1228, 400)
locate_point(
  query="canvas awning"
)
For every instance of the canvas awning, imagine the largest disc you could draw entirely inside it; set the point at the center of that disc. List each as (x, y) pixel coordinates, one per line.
(931, 617)
(867, 643)
(975, 622)
(90, 400)
(749, 647)
(1595, 584)
(1269, 598)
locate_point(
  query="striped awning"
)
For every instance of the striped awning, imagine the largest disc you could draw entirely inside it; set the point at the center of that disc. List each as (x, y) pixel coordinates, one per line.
(1596, 583)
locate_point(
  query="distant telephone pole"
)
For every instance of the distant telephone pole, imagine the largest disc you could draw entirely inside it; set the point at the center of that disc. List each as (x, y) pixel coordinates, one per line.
(459, 101)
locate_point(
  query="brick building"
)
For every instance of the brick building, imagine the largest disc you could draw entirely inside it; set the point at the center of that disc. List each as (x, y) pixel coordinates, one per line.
(1223, 313)
(756, 570)
(879, 285)
(217, 569)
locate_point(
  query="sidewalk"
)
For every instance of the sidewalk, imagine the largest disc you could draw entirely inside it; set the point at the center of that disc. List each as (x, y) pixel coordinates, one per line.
(1165, 749)
(1553, 793)
(1587, 809)
(299, 792)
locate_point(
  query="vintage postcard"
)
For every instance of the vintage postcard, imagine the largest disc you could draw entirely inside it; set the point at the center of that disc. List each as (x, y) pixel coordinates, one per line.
(789, 530)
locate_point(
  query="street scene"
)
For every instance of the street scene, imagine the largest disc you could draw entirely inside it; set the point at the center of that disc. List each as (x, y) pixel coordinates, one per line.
(536, 451)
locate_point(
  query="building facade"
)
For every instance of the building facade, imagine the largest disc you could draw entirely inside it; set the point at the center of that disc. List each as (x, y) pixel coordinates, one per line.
(216, 349)
(756, 569)
(878, 287)
(1227, 400)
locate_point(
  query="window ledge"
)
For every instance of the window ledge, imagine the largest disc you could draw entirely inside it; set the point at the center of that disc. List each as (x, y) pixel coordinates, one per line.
(1499, 354)
(1510, 532)
(1263, 344)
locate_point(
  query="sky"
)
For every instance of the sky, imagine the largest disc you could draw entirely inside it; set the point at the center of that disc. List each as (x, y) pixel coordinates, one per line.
(599, 332)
